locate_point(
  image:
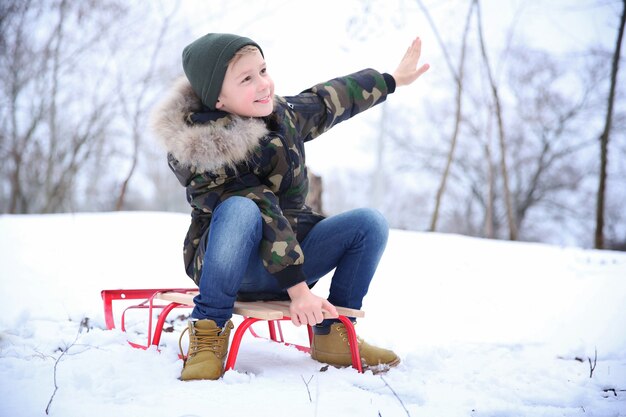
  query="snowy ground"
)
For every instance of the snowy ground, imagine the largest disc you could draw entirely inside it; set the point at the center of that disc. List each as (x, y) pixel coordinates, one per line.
(484, 328)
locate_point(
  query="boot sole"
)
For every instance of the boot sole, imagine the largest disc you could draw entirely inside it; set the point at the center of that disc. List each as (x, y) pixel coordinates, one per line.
(381, 368)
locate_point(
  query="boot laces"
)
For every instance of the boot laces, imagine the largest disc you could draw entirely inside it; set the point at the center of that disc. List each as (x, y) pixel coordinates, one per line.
(343, 332)
(203, 340)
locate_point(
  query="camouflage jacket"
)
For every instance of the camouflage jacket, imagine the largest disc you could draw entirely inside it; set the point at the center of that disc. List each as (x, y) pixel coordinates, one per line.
(216, 155)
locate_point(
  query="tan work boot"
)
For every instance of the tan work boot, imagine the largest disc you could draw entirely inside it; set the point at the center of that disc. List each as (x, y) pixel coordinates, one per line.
(208, 345)
(333, 348)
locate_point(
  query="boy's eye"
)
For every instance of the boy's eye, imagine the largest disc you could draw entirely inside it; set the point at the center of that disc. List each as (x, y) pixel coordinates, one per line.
(248, 78)
(264, 71)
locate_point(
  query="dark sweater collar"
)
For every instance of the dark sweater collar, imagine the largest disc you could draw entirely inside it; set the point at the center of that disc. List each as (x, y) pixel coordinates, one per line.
(207, 115)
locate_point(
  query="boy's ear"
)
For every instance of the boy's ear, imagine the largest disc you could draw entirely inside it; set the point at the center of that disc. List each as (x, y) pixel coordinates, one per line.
(218, 104)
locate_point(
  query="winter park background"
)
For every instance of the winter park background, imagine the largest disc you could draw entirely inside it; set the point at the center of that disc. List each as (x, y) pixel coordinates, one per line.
(485, 327)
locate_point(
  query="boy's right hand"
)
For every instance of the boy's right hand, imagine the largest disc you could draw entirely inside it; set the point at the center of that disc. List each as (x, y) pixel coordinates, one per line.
(306, 307)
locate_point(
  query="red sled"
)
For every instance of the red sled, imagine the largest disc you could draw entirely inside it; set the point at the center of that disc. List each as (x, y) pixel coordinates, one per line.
(168, 299)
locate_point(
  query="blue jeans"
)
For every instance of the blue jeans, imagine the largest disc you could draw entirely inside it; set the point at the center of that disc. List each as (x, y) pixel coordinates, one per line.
(351, 243)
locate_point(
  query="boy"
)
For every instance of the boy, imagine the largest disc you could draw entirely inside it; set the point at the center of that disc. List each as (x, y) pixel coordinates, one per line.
(239, 151)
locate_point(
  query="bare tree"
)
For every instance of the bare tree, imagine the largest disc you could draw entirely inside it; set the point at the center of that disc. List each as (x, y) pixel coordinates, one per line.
(135, 113)
(458, 78)
(48, 133)
(549, 102)
(530, 175)
(501, 135)
(604, 137)
(78, 78)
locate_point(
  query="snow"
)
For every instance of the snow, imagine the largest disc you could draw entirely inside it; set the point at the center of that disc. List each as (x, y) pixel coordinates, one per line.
(484, 328)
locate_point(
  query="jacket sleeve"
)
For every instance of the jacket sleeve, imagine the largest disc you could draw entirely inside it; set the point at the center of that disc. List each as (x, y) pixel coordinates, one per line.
(324, 105)
(280, 250)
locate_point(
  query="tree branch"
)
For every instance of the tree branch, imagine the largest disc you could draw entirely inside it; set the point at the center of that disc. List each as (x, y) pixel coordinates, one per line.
(83, 324)
(396, 395)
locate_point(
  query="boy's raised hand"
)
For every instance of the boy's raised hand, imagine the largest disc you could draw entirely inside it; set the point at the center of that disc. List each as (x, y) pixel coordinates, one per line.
(407, 70)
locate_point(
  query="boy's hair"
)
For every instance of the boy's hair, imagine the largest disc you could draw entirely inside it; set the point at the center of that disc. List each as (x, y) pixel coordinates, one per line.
(247, 49)
(206, 59)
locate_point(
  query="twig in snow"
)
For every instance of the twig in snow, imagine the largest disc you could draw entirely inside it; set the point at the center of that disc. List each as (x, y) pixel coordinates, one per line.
(613, 390)
(396, 395)
(592, 367)
(306, 383)
(83, 325)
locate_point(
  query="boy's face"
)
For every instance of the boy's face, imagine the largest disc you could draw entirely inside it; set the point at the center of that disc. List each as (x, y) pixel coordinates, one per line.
(248, 90)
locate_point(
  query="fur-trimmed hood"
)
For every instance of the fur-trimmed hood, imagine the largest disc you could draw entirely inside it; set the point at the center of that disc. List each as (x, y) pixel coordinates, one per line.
(226, 141)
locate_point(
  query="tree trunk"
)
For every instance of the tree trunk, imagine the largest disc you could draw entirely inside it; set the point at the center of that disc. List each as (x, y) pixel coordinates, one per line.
(140, 109)
(314, 197)
(457, 123)
(604, 137)
(498, 108)
(489, 234)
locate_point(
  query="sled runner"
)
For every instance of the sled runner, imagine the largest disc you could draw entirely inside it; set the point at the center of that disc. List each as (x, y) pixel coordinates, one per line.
(168, 299)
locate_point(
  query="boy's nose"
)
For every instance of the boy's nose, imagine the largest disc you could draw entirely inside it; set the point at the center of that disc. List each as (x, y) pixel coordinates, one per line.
(264, 83)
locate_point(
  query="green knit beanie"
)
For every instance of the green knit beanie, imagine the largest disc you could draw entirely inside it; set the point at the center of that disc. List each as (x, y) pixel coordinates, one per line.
(205, 61)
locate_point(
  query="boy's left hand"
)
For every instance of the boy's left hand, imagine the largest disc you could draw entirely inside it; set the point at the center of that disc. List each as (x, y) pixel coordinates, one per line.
(407, 70)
